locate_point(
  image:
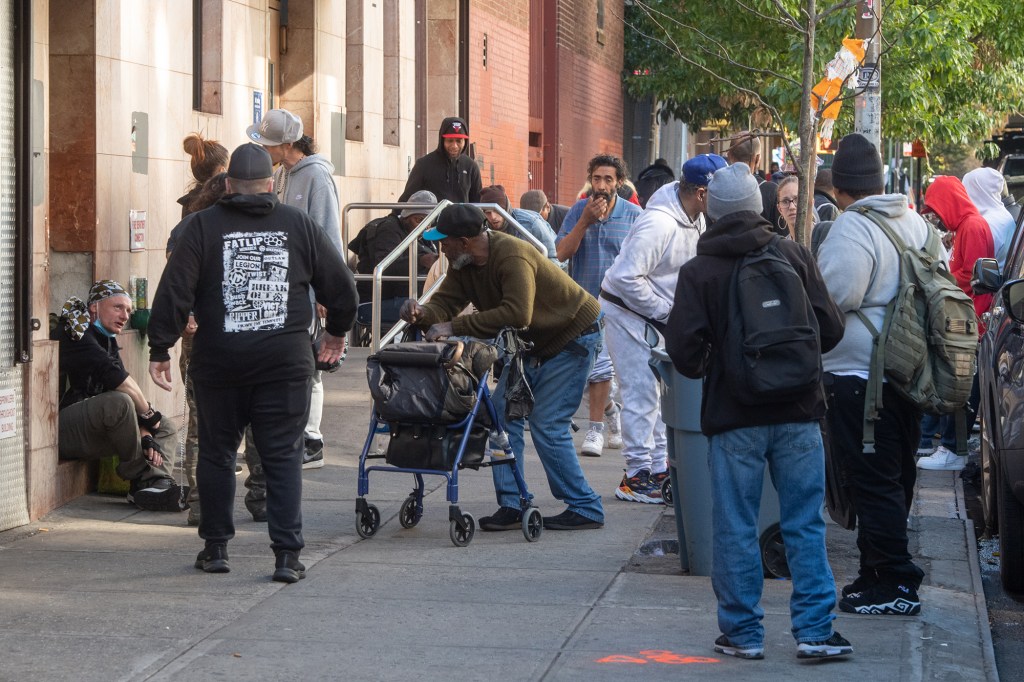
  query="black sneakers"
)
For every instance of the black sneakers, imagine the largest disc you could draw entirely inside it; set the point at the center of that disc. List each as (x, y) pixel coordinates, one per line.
(313, 454)
(861, 584)
(214, 559)
(506, 518)
(724, 646)
(835, 645)
(570, 520)
(162, 494)
(288, 568)
(882, 599)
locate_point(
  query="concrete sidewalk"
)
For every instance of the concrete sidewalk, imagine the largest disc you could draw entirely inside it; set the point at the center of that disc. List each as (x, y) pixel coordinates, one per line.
(101, 591)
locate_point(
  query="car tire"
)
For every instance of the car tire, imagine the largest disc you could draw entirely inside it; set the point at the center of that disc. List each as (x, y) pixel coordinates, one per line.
(1011, 537)
(987, 493)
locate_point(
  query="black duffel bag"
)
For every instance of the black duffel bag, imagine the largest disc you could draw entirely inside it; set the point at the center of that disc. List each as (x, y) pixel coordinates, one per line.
(428, 382)
(433, 446)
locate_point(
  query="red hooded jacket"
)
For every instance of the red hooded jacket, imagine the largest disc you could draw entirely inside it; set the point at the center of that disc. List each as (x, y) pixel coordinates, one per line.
(972, 237)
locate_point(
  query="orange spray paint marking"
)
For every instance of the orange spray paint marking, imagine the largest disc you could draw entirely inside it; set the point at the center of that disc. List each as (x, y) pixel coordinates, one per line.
(657, 656)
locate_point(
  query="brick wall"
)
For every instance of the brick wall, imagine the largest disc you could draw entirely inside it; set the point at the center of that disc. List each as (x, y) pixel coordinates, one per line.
(590, 90)
(499, 92)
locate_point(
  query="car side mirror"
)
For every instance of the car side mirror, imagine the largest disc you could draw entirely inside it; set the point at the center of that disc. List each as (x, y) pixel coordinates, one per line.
(985, 278)
(1013, 300)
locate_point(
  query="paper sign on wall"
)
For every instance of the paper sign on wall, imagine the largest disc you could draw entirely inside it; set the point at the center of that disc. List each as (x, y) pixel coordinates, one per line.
(8, 414)
(137, 230)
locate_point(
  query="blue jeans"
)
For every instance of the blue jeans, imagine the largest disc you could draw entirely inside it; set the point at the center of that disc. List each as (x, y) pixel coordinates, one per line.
(557, 386)
(796, 460)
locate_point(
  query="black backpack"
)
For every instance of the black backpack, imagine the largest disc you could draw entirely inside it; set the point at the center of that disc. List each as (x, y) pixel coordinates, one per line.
(771, 342)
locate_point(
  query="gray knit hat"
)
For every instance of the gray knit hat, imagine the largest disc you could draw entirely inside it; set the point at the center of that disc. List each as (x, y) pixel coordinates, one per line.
(733, 189)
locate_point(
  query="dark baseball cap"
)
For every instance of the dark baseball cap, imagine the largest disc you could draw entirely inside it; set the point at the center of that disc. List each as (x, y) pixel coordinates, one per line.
(250, 162)
(457, 220)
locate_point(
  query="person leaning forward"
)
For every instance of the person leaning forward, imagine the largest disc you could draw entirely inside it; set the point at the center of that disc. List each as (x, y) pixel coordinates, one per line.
(246, 266)
(103, 411)
(512, 284)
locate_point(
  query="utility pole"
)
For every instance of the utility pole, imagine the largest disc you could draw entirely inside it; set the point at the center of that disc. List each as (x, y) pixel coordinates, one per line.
(868, 106)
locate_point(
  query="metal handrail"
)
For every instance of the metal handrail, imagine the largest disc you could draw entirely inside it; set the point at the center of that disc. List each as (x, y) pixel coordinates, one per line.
(409, 244)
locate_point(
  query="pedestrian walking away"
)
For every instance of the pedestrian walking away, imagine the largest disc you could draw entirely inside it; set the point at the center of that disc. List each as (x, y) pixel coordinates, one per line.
(246, 267)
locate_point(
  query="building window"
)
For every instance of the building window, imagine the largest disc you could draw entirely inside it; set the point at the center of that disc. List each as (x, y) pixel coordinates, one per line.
(354, 70)
(392, 74)
(600, 22)
(207, 64)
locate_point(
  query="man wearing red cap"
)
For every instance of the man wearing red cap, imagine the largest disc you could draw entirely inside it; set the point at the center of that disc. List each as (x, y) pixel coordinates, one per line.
(448, 171)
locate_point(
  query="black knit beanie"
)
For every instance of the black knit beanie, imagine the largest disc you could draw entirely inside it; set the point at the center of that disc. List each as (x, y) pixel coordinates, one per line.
(857, 165)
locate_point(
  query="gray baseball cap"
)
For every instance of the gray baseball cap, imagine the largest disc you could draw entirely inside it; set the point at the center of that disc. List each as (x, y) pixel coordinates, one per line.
(277, 127)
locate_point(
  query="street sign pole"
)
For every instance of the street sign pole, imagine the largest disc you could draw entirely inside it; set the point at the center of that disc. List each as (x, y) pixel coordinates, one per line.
(868, 106)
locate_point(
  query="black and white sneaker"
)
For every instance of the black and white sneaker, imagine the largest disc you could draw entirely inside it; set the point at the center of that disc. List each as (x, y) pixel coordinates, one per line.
(159, 495)
(884, 600)
(506, 518)
(313, 454)
(835, 645)
(860, 584)
(724, 646)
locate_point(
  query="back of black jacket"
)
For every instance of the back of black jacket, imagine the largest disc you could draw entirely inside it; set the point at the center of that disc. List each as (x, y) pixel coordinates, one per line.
(697, 323)
(245, 266)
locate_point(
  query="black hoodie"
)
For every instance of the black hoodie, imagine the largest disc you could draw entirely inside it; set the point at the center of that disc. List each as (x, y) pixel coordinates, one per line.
(245, 266)
(456, 180)
(696, 326)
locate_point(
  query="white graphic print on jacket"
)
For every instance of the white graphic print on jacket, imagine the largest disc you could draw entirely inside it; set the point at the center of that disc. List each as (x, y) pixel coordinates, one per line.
(255, 281)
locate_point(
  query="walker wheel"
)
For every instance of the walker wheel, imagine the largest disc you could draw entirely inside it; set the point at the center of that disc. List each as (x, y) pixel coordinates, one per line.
(533, 524)
(666, 490)
(461, 530)
(773, 553)
(408, 515)
(368, 522)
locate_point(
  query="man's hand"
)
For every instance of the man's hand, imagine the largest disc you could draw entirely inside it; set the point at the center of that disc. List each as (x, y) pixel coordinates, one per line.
(160, 373)
(331, 348)
(190, 328)
(321, 311)
(150, 450)
(595, 209)
(441, 330)
(411, 311)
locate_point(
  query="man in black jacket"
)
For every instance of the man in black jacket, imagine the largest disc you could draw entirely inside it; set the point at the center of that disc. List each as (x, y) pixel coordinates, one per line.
(447, 171)
(245, 266)
(103, 411)
(744, 438)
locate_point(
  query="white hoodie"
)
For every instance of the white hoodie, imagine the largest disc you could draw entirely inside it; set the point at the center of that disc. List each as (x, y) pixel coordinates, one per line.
(985, 187)
(644, 273)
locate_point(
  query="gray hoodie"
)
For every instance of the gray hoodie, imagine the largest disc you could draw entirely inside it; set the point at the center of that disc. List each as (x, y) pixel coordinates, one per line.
(644, 273)
(309, 185)
(861, 269)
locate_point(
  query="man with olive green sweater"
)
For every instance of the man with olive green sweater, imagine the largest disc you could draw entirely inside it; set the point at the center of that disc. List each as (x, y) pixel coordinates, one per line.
(511, 284)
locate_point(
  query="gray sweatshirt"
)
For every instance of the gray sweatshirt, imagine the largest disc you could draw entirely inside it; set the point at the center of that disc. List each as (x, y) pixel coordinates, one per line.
(861, 268)
(309, 185)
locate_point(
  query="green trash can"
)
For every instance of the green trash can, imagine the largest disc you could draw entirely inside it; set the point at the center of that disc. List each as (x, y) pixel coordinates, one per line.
(690, 478)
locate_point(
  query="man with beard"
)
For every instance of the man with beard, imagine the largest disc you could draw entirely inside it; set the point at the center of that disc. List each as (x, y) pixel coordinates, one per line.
(511, 284)
(590, 239)
(448, 171)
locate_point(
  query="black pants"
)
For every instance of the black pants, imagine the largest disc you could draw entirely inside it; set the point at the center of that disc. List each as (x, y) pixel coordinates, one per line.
(881, 483)
(278, 412)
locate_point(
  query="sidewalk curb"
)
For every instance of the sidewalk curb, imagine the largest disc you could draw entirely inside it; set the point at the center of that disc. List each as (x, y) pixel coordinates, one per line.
(978, 587)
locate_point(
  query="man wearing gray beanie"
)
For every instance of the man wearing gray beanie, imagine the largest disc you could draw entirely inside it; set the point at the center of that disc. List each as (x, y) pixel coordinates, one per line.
(745, 436)
(862, 270)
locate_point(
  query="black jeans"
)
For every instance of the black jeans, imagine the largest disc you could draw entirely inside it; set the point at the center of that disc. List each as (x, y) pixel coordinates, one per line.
(278, 412)
(882, 483)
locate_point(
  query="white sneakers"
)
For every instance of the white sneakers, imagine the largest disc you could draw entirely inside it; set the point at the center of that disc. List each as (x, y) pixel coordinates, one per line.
(593, 443)
(612, 427)
(943, 459)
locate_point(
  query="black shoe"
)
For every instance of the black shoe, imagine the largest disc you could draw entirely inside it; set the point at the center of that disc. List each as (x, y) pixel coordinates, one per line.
(159, 495)
(214, 559)
(288, 568)
(724, 646)
(882, 599)
(835, 645)
(313, 454)
(861, 584)
(258, 509)
(570, 520)
(506, 518)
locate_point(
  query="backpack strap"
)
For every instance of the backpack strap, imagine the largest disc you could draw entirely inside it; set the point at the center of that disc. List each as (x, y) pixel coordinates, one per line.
(876, 370)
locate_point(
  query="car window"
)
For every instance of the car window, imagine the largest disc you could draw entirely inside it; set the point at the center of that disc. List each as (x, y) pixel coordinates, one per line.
(1015, 259)
(1014, 165)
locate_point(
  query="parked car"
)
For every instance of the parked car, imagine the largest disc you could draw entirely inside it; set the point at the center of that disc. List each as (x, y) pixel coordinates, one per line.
(1001, 380)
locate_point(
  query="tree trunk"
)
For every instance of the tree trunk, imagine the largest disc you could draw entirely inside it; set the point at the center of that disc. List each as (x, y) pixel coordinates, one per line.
(808, 130)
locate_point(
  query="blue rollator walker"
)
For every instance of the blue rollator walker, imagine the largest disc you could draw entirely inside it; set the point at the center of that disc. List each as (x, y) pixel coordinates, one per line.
(436, 405)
